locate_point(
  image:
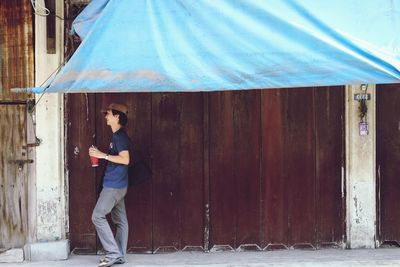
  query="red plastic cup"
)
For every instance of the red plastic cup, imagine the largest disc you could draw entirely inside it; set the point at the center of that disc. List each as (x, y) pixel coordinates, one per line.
(94, 161)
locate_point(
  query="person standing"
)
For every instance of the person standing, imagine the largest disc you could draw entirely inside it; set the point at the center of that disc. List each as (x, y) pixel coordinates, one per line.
(115, 186)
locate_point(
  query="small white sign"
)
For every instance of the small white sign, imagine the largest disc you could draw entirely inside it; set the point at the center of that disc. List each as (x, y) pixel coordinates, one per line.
(363, 127)
(362, 96)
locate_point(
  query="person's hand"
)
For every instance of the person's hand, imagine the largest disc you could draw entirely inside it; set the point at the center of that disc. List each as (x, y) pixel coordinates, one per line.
(94, 152)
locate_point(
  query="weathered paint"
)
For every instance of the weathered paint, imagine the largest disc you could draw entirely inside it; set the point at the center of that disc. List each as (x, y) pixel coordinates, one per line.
(31, 169)
(360, 172)
(388, 151)
(13, 177)
(51, 214)
(16, 48)
(16, 70)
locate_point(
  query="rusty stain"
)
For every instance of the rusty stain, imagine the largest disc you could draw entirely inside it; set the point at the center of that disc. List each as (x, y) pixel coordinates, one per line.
(16, 48)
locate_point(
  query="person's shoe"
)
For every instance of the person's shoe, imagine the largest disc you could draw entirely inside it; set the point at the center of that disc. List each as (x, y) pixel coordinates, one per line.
(120, 260)
(107, 262)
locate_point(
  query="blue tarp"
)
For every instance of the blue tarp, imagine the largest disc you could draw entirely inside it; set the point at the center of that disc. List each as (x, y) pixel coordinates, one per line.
(206, 45)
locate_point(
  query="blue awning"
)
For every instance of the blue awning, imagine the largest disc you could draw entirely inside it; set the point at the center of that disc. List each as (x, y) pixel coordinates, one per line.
(207, 45)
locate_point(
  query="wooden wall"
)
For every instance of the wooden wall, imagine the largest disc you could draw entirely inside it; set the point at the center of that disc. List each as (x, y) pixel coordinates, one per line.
(257, 169)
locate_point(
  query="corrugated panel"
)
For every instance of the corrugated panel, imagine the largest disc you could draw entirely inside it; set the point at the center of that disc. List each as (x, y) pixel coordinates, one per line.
(16, 48)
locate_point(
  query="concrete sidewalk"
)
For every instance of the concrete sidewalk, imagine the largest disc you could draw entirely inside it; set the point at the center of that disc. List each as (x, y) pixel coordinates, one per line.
(287, 258)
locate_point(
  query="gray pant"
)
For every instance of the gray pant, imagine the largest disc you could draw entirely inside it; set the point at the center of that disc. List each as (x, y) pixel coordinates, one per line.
(112, 200)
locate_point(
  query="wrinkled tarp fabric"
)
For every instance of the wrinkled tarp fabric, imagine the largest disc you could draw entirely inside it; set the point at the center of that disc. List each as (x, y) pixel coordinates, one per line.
(206, 45)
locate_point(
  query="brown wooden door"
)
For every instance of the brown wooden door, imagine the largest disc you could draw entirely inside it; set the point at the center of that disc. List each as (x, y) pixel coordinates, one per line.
(231, 170)
(16, 71)
(82, 177)
(276, 159)
(13, 176)
(388, 167)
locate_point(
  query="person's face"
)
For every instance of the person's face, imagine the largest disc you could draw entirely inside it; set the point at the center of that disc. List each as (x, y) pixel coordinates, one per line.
(110, 118)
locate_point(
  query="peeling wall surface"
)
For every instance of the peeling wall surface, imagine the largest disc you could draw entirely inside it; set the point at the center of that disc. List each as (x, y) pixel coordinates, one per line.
(50, 191)
(360, 162)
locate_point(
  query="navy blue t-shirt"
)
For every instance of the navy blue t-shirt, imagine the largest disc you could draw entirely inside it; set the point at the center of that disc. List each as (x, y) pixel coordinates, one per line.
(116, 175)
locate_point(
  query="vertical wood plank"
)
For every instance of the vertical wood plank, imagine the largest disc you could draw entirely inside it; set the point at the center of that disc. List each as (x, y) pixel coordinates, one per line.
(223, 197)
(139, 200)
(166, 110)
(13, 177)
(82, 183)
(206, 170)
(246, 119)
(300, 165)
(329, 158)
(191, 171)
(388, 151)
(274, 185)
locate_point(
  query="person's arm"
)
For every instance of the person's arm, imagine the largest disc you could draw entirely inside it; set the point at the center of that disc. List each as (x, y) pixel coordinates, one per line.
(121, 158)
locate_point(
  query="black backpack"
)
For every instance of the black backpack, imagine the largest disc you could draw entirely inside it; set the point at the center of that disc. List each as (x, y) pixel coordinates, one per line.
(139, 171)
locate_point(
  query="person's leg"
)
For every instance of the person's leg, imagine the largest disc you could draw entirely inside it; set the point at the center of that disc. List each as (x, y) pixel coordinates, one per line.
(118, 215)
(104, 205)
